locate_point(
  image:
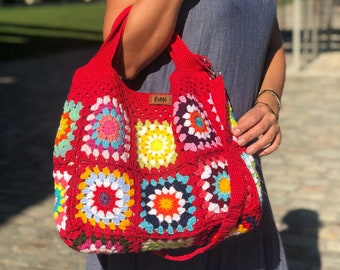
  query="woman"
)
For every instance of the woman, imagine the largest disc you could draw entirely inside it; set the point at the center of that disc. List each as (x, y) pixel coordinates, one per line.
(243, 41)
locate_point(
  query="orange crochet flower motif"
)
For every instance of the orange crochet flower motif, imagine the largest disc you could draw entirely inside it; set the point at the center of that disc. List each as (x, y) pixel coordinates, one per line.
(64, 128)
(167, 205)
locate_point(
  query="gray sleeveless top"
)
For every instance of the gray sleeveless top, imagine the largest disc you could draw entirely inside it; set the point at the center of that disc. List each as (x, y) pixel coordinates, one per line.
(233, 34)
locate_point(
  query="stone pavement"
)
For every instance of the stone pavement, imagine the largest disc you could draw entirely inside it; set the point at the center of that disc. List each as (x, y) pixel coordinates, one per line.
(302, 176)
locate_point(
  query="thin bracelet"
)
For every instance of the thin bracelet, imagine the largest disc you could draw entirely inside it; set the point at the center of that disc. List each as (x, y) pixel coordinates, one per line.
(268, 107)
(273, 93)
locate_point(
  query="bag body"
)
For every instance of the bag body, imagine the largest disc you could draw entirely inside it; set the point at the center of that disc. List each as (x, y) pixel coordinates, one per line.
(140, 172)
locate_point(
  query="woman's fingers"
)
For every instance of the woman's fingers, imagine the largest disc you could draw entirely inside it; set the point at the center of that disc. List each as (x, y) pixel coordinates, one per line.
(272, 146)
(254, 124)
(267, 143)
(259, 130)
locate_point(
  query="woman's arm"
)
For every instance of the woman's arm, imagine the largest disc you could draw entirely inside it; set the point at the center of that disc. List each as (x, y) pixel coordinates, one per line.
(275, 68)
(262, 120)
(147, 33)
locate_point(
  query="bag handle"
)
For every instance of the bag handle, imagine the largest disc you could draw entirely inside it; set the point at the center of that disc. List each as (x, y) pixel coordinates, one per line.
(180, 54)
(110, 45)
(184, 58)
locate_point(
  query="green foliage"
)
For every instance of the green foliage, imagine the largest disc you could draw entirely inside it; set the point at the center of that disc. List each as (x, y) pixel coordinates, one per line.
(34, 30)
(283, 2)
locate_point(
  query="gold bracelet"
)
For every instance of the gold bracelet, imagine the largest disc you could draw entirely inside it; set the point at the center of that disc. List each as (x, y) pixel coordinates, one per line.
(274, 94)
(268, 107)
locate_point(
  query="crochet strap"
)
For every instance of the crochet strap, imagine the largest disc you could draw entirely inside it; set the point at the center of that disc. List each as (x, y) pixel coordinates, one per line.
(109, 47)
(183, 58)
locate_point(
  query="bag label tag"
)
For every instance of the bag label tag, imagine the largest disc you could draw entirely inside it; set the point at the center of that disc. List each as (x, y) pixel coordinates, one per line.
(160, 99)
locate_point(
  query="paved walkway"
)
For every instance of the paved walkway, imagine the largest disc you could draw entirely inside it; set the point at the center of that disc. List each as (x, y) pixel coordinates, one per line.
(302, 177)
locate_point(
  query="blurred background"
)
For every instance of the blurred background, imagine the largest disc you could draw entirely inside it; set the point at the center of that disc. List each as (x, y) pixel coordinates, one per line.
(42, 42)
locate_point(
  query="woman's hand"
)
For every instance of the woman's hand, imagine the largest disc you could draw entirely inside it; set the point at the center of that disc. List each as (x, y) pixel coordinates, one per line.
(259, 130)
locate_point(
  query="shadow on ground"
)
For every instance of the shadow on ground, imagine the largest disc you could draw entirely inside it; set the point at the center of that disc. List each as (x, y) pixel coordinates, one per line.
(300, 239)
(34, 82)
(29, 41)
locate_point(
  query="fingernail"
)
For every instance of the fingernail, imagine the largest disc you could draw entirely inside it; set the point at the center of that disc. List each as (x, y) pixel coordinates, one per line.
(236, 132)
(250, 151)
(241, 142)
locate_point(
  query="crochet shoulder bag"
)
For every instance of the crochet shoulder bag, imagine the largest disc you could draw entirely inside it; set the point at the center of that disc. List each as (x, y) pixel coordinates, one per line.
(138, 172)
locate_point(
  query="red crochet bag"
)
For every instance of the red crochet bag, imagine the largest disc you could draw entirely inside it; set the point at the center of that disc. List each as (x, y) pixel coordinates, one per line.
(140, 172)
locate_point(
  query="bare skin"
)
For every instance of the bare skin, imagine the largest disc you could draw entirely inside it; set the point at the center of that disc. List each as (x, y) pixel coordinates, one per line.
(147, 33)
(260, 122)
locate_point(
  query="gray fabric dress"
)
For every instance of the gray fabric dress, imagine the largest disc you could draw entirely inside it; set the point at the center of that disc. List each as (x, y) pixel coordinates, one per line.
(234, 35)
